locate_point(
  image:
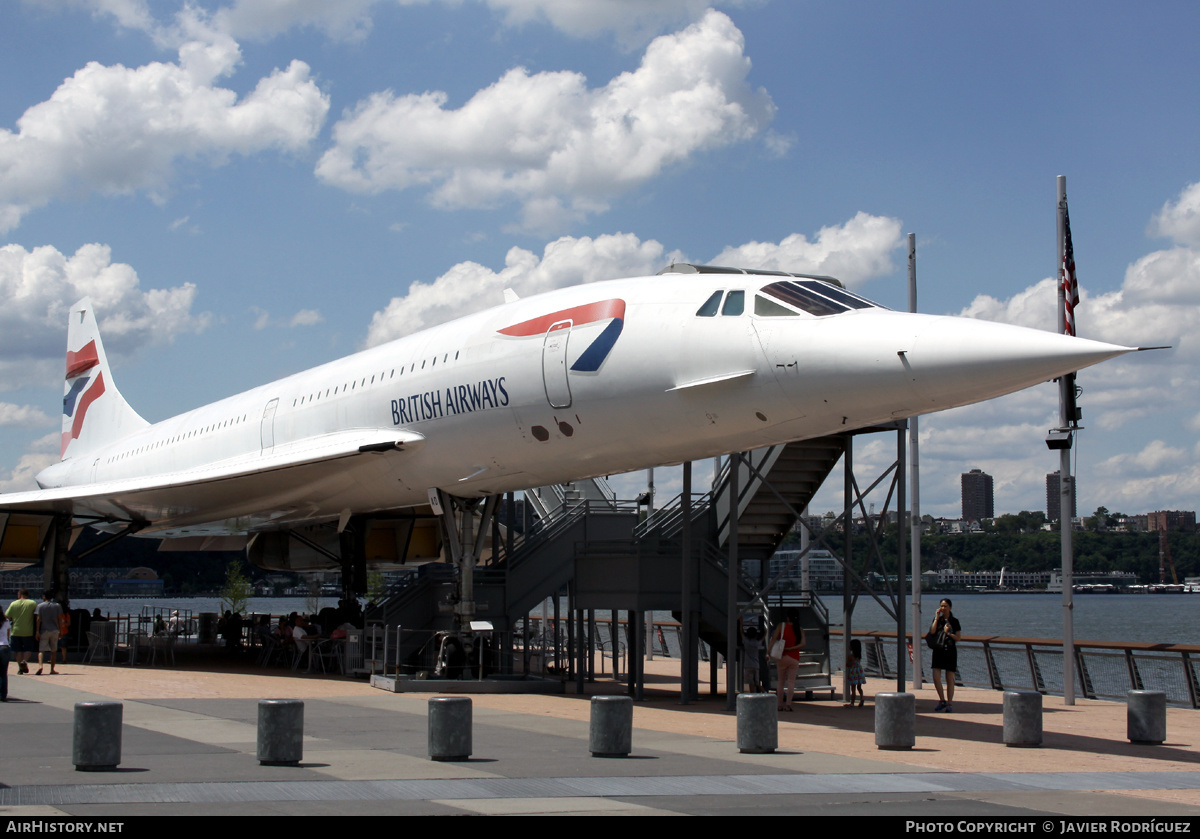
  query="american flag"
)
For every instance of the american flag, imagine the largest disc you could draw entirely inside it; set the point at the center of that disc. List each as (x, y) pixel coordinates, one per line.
(1070, 285)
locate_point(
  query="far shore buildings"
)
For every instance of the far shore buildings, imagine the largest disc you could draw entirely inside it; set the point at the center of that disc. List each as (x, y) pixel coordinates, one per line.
(1184, 520)
(87, 582)
(1054, 498)
(978, 497)
(825, 575)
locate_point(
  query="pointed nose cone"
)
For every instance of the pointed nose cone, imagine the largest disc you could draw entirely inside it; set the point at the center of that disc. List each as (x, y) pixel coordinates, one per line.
(957, 361)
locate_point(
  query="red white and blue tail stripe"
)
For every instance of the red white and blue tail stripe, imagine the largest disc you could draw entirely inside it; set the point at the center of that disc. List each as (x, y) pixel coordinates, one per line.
(94, 412)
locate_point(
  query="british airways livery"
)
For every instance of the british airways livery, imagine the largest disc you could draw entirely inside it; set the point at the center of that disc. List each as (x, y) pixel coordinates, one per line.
(581, 382)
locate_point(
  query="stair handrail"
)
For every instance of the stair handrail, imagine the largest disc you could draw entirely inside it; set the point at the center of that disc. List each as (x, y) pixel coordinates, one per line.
(668, 520)
(535, 534)
(652, 520)
(546, 519)
(545, 530)
(606, 490)
(762, 460)
(713, 554)
(541, 506)
(416, 576)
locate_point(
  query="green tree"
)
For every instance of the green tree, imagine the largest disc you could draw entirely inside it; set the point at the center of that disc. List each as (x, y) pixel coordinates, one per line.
(376, 586)
(235, 593)
(1100, 520)
(312, 601)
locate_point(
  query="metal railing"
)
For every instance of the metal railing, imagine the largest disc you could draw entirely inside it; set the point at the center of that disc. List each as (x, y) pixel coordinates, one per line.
(668, 519)
(545, 530)
(666, 640)
(389, 650)
(1103, 669)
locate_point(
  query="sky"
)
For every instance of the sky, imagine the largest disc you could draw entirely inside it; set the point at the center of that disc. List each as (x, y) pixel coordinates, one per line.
(249, 188)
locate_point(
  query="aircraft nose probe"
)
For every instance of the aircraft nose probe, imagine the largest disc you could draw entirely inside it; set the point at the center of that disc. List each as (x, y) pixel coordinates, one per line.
(956, 361)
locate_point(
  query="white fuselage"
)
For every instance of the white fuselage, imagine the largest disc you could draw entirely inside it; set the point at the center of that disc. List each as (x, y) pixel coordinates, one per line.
(490, 412)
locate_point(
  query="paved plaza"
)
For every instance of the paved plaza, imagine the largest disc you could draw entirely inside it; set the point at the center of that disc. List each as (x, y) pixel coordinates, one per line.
(189, 747)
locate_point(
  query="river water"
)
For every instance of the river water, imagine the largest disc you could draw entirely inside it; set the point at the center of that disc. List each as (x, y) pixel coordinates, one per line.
(1150, 618)
(1147, 618)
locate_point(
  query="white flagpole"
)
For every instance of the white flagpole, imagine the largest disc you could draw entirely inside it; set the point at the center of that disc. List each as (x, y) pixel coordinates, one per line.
(914, 471)
(1065, 483)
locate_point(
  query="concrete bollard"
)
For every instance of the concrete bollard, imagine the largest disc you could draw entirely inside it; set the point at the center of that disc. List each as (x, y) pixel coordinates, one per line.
(757, 723)
(1146, 715)
(895, 720)
(1022, 718)
(611, 728)
(449, 728)
(97, 741)
(280, 732)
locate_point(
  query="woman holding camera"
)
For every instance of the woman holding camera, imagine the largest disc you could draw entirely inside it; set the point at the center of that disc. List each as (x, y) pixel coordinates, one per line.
(944, 633)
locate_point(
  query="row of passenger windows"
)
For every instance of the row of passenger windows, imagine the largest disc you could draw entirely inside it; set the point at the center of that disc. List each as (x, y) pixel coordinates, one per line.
(300, 400)
(178, 438)
(335, 390)
(786, 299)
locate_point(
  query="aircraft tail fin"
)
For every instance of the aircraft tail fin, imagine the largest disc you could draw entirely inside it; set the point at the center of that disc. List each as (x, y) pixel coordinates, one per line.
(94, 412)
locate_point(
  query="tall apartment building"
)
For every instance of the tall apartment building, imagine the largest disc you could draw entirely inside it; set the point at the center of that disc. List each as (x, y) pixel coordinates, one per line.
(1053, 498)
(1172, 520)
(978, 502)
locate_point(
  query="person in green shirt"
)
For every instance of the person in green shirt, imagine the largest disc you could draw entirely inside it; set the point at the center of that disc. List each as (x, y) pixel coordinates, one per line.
(20, 612)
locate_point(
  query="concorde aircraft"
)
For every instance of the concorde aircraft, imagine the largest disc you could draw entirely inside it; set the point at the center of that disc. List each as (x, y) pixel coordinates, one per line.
(593, 380)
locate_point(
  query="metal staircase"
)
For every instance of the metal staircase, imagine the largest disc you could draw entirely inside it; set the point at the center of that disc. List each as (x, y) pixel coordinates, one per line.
(543, 560)
(511, 584)
(583, 533)
(796, 472)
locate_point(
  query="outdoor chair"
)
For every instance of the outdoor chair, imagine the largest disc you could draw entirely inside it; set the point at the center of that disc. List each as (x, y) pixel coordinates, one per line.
(164, 644)
(98, 645)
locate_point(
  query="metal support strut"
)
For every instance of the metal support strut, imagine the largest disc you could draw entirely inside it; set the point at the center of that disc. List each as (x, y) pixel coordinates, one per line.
(464, 545)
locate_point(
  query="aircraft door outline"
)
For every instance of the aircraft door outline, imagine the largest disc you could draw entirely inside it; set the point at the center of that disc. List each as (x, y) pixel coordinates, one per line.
(554, 364)
(784, 366)
(267, 429)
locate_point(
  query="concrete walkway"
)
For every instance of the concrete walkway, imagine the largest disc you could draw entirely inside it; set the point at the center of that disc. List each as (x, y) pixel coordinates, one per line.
(189, 742)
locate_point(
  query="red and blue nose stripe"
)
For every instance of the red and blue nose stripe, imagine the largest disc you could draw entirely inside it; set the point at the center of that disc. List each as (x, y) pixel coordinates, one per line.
(591, 358)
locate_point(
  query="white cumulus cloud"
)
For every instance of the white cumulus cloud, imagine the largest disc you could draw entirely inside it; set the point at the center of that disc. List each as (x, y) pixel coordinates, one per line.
(21, 478)
(23, 416)
(1128, 403)
(38, 287)
(1152, 458)
(131, 14)
(40, 453)
(854, 252)
(344, 19)
(1180, 219)
(1033, 306)
(119, 130)
(632, 21)
(470, 287)
(857, 249)
(306, 317)
(547, 141)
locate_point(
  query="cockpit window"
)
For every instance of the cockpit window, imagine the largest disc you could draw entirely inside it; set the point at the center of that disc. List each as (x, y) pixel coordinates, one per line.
(813, 296)
(767, 308)
(838, 294)
(735, 303)
(804, 299)
(709, 309)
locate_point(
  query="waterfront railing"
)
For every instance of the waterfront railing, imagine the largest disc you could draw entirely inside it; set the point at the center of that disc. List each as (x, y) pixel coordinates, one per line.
(1103, 669)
